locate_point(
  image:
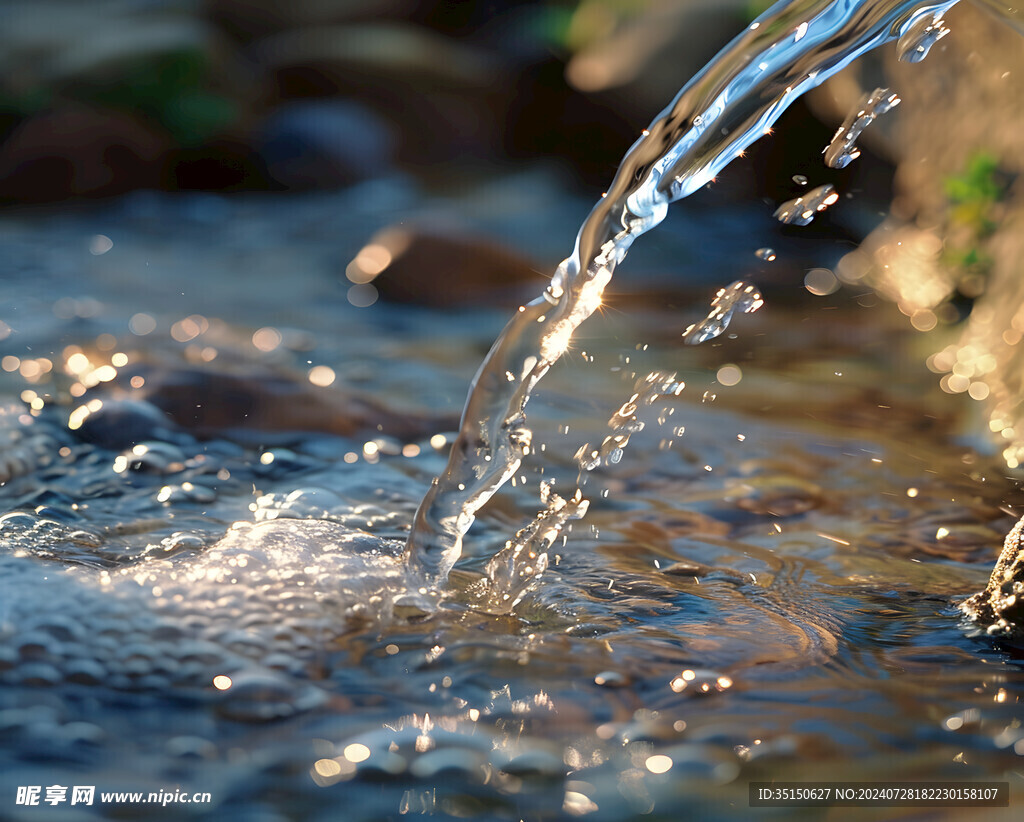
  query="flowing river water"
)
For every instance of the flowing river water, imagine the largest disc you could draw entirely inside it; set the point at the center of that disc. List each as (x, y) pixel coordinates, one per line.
(744, 566)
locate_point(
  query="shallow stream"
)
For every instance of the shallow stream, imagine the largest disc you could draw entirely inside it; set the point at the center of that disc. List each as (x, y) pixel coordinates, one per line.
(763, 588)
(766, 594)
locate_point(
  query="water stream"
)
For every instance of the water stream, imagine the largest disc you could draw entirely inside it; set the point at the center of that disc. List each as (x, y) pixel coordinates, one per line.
(728, 546)
(728, 105)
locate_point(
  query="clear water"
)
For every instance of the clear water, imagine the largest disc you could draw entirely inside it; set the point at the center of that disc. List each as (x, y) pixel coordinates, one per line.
(746, 572)
(728, 105)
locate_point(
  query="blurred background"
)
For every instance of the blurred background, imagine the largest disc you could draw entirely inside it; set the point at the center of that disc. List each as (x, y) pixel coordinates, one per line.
(101, 98)
(489, 128)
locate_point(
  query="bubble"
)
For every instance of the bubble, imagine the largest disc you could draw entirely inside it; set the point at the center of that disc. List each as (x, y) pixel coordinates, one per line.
(611, 679)
(700, 682)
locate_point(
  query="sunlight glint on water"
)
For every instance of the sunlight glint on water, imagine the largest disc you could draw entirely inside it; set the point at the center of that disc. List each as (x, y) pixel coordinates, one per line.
(732, 102)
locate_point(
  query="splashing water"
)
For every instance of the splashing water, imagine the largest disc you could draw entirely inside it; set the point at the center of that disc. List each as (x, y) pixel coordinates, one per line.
(514, 571)
(739, 296)
(843, 149)
(917, 40)
(728, 105)
(802, 210)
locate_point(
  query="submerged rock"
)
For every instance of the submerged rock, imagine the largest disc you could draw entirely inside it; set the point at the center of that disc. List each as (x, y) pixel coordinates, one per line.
(324, 144)
(999, 609)
(79, 151)
(210, 398)
(437, 266)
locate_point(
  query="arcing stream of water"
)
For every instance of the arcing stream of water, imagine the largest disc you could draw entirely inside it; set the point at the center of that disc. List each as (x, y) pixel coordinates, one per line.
(732, 102)
(768, 599)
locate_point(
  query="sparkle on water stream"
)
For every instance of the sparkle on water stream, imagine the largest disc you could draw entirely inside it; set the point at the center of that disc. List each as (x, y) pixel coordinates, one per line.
(761, 588)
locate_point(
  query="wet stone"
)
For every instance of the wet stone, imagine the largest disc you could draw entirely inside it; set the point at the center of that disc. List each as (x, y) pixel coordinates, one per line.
(123, 423)
(66, 152)
(999, 609)
(477, 270)
(298, 142)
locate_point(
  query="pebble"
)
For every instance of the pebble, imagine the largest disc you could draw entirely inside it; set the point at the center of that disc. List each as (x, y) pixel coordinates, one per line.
(324, 144)
(477, 269)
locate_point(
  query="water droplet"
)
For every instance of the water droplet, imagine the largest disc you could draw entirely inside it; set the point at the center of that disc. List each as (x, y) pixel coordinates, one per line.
(842, 150)
(918, 38)
(799, 179)
(766, 254)
(801, 210)
(739, 296)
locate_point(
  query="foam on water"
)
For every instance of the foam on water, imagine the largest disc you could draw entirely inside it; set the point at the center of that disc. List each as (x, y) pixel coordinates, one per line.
(257, 607)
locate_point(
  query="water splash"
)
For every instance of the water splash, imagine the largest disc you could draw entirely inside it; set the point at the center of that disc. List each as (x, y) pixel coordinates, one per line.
(843, 149)
(732, 102)
(739, 296)
(802, 210)
(923, 33)
(515, 570)
(624, 422)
